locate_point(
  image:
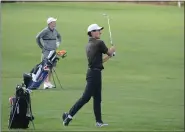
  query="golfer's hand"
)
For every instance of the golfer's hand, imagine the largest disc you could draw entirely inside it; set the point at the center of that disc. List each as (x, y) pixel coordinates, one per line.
(112, 49)
(58, 44)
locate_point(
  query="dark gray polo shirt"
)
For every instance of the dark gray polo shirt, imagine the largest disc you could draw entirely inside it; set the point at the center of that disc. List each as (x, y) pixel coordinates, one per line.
(94, 51)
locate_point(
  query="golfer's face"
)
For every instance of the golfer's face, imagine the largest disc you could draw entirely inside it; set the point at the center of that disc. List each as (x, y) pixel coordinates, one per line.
(53, 24)
(97, 34)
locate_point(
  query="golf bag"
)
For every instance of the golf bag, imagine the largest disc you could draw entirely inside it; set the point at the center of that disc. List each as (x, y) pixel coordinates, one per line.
(40, 72)
(21, 112)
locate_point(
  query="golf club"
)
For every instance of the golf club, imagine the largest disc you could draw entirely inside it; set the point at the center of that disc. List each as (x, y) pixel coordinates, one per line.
(110, 34)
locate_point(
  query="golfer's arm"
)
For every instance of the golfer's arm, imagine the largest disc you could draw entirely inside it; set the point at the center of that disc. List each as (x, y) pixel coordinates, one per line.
(39, 39)
(106, 51)
(106, 58)
(59, 37)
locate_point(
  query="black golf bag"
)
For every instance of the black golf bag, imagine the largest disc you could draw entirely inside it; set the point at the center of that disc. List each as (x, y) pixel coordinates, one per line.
(40, 72)
(21, 112)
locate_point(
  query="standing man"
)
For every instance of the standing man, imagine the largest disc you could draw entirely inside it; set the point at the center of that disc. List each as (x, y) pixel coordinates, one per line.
(48, 39)
(94, 51)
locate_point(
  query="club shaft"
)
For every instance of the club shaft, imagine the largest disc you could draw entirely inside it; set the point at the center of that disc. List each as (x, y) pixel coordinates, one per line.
(110, 31)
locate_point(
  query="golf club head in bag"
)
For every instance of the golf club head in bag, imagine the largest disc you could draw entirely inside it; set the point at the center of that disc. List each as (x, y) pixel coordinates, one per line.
(62, 53)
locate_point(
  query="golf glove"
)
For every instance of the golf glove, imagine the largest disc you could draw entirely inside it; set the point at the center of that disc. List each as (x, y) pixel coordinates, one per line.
(58, 44)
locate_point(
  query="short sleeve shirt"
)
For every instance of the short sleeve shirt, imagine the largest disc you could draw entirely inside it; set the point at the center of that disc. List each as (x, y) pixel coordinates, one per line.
(94, 51)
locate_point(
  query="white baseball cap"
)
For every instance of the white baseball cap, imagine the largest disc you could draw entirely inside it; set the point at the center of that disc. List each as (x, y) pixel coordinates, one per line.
(94, 27)
(51, 19)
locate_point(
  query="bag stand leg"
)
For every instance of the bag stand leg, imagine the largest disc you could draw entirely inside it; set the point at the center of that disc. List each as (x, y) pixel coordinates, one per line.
(13, 114)
(56, 77)
(53, 78)
(29, 105)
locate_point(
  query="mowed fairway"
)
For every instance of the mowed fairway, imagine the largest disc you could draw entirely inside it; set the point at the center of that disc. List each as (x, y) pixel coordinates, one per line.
(142, 85)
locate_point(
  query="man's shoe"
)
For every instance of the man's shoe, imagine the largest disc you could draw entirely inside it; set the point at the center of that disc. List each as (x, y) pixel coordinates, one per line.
(48, 85)
(101, 124)
(66, 119)
(51, 85)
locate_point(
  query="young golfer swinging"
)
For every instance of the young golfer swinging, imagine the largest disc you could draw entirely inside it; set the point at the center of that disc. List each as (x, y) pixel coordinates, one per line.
(94, 51)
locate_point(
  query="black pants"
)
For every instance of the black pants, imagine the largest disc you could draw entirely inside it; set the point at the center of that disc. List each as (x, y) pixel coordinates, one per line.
(93, 89)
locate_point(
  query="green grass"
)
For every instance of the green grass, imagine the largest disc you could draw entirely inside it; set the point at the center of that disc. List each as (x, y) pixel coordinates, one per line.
(142, 85)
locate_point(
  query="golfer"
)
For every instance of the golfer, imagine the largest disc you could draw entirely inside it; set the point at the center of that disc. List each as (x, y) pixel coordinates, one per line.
(94, 51)
(48, 40)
